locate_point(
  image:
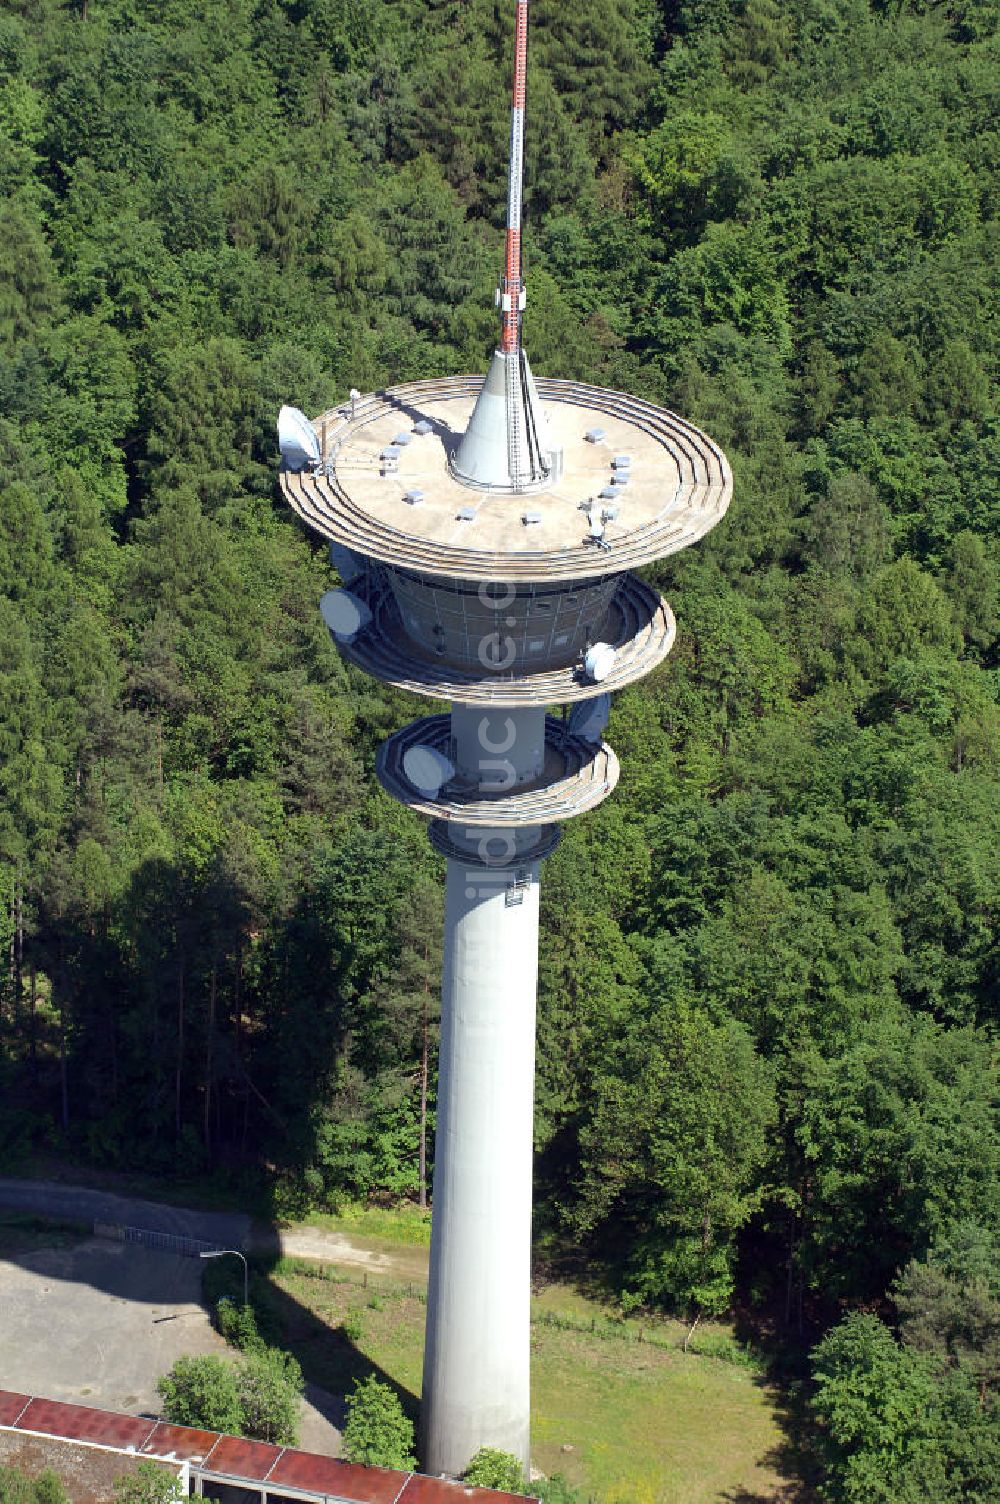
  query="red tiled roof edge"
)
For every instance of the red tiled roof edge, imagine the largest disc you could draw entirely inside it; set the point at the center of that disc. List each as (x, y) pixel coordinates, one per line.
(365, 1485)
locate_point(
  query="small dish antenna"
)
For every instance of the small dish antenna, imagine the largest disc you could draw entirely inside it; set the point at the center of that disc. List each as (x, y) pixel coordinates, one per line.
(589, 718)
(345, 615)
(599, 661)
(297, 440)
(427, 769)
(595, 524)
(349, 565)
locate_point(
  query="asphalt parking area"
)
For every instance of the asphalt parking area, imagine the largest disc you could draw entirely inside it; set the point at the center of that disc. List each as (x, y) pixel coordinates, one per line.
(97, 1323)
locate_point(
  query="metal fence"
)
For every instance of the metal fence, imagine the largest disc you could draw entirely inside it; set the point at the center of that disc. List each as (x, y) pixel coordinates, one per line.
(163, 1242)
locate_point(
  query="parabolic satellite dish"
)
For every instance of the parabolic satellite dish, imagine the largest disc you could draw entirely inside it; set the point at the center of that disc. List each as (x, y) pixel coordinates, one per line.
(349, 565)
(589, 718)
(344, 614)
(427, 769)
(297, 439)
(599, 661)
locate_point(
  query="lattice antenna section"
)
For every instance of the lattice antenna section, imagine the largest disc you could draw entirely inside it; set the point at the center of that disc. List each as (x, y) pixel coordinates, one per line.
(511, 294)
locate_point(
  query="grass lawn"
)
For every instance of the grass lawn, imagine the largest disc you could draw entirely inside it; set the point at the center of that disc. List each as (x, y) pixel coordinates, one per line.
(628, 1421)
(617, 1406)
(648, 1425)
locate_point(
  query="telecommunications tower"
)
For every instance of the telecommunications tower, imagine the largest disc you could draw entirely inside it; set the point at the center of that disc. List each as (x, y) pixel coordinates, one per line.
(485, 533)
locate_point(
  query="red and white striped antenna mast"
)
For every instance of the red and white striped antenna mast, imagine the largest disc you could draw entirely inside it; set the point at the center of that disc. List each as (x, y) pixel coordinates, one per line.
(511, 294)
(507, 445)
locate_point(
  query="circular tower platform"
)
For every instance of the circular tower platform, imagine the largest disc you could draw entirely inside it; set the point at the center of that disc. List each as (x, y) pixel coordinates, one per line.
(484, 596)
(489, 597)
(385, 487)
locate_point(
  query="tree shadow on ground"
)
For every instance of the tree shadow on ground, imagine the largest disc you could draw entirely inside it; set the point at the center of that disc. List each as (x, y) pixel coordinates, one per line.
(794, 1457)
(329, 1357)
(784, 1379)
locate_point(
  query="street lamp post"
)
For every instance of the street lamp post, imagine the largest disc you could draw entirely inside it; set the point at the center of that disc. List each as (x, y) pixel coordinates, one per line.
(218, 1253)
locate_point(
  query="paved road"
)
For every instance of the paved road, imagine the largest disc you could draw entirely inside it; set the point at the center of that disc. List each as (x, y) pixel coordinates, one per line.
(50, 1198)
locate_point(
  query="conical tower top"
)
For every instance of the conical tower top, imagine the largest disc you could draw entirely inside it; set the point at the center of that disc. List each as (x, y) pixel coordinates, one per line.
(506, 446)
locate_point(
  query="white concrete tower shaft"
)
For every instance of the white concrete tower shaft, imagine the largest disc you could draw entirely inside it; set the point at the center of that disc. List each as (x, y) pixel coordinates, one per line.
(476, 1388)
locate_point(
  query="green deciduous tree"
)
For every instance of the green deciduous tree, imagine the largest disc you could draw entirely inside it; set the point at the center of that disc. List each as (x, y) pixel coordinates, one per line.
(149, 1484)
(690, 172)
(269, 1385)
(17, 1487)
(894, 1429)
(377, 1432)
(257, 1397)
(202, 1392)
(672, 1152)
(897, 1139)
(491, 1468)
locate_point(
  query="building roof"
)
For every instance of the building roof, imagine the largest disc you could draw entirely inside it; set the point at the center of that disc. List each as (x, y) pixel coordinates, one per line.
(232, 1457)
(107, 1428)
(89, 1473)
